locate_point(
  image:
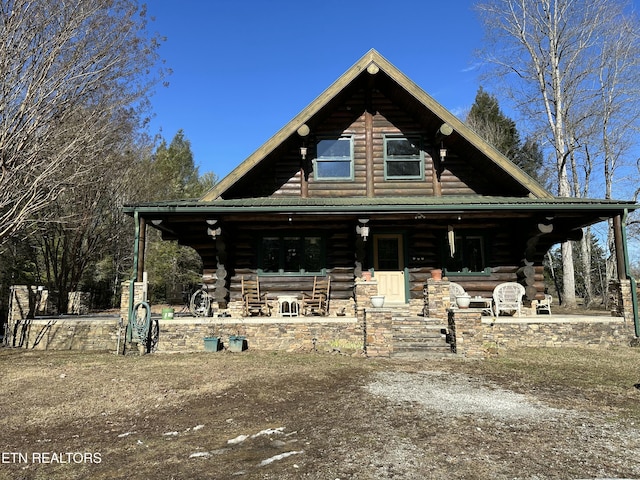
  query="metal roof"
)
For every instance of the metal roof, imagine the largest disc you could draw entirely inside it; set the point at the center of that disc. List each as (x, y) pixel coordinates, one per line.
(378, 204)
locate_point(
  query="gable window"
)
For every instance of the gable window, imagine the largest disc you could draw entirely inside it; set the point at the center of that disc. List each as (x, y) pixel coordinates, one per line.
(403, 157)
(281, 254)
(334, 159)
(469, 254)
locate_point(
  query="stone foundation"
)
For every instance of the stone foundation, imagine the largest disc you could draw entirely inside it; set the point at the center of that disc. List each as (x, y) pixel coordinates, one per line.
(475, 335)
(363, 329)
(97, 333)
(304, 334)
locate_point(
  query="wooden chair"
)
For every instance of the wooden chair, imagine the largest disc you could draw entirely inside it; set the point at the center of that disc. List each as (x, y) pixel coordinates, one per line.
(255, 303)
(318, 302)
(507, 297)
(544, 305)
(455, 290)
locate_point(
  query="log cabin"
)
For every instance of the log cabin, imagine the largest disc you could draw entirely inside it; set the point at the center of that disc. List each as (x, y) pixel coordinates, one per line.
(374, 177)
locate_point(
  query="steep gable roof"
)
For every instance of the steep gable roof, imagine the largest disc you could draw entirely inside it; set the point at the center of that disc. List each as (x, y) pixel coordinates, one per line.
(372, 61)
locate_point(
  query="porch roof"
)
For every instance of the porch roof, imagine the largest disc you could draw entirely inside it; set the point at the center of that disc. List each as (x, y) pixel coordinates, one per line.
(383, 204)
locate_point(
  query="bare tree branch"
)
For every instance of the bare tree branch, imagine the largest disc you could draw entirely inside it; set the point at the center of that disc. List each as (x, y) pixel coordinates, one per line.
(70, 71)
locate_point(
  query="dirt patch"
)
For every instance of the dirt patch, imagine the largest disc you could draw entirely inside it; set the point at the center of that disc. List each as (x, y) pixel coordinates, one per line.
(275, 416)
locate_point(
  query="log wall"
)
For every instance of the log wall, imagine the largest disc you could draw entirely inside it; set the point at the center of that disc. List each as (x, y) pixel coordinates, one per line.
(423, 250)
(388, 119)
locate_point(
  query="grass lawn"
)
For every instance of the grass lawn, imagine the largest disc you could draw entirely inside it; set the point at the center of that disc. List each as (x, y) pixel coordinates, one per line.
(68, 415)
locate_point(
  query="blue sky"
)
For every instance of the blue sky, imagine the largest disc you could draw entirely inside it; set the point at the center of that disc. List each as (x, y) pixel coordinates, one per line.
(242, 69)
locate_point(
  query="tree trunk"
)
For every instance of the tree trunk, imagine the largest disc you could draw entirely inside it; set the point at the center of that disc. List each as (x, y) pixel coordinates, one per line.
(568, 276)
(585, 245)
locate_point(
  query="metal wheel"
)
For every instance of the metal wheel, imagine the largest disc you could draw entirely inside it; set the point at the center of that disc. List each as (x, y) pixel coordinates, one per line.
(200, 304)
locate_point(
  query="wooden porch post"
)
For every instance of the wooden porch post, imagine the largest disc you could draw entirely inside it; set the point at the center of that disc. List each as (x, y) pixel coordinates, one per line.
(141, 247)
(619, 245)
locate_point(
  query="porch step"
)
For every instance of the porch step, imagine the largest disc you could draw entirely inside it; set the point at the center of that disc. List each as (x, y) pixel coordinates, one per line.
(419, 337)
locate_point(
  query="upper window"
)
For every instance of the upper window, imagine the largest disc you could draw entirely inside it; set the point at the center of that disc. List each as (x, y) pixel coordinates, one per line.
(403, 158)
(334, 159)
(291, 254)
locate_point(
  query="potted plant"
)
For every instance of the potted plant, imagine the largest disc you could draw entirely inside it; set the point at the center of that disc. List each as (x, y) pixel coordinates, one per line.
(377, 300)
(212, 344)
(463, 300)
(237, 343)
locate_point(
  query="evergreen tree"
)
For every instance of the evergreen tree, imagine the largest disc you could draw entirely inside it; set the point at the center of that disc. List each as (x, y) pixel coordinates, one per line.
(173, 175)
(488, 121)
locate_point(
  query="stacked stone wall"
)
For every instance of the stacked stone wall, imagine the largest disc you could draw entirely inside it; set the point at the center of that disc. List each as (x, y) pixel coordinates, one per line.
(588, 333)
(271, 334)
(71, 334)
(475, 335)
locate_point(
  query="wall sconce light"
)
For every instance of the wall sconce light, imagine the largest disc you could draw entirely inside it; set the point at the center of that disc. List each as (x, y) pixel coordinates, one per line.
(214, 232)
(443, 153)
(303, 152)
(363, 229)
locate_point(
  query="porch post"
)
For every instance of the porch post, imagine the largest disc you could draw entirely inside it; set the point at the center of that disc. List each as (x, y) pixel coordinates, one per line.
(141, 248)
(221, 290)
(625, 258)
(619, 245)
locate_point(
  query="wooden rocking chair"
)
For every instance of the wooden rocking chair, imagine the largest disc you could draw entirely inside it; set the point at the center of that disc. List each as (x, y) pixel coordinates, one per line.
(255, 303)
(318, 302)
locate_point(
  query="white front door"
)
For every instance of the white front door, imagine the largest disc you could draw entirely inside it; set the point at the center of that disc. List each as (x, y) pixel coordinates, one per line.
(388, 265)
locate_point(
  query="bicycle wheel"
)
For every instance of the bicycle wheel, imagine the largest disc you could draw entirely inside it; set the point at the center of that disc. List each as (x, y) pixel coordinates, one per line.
(200, 303)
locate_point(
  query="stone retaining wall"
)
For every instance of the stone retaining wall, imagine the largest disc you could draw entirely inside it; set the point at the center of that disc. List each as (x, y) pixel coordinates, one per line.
(93, 333)
(476, 335)
(370, 330)
(603, 332)
(264, 333)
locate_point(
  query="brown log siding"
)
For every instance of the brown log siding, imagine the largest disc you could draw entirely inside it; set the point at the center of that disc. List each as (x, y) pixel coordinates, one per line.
(424, 248)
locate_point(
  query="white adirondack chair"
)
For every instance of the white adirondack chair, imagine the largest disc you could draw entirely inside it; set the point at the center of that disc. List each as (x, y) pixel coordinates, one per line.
(507, 297)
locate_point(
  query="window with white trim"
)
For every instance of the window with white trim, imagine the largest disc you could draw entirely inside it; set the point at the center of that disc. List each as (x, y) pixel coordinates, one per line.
(334, 158)
(403, 157)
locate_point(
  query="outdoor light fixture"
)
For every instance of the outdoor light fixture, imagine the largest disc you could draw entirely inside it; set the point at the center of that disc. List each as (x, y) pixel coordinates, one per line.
(444, 131)
(214, 229)
(303, 152)
(363, 229)
(214, 232)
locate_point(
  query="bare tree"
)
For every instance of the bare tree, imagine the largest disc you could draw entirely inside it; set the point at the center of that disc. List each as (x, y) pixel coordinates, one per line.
(558, 49)
(69, 70)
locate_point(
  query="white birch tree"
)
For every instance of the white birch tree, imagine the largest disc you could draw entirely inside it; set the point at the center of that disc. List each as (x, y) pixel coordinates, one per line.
(552, 54)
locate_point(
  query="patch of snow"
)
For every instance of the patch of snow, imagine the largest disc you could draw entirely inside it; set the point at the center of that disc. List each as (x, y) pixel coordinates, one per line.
(268, 431)
(200, 455)
(280, 457)
(198, 427)
(122, 435)
(170, 434)
(238, 439)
